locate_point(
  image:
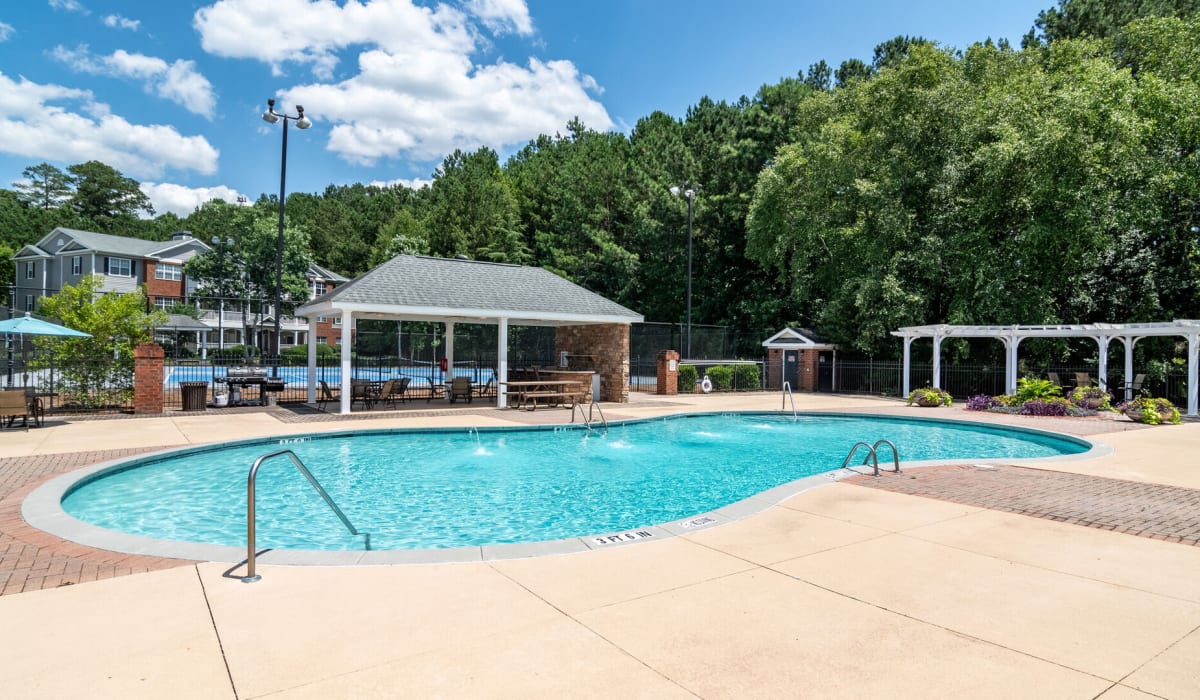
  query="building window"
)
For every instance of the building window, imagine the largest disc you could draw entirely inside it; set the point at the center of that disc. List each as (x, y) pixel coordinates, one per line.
(318, 288)
(120, 267)
(338, 341)
(77, 265)
(166, 271)
(322, 340)
(29, 270)
(165, 303)
(337, 320)
(29, 302)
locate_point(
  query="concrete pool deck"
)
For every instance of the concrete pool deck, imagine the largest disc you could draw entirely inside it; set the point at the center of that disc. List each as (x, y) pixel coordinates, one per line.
(840, 591)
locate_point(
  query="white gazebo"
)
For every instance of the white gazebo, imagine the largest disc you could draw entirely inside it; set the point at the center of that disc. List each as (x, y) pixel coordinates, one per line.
(445, 290)
(1103, 333)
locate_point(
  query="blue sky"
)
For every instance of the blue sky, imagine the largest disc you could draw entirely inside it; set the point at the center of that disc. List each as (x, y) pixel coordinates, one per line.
(171, 93)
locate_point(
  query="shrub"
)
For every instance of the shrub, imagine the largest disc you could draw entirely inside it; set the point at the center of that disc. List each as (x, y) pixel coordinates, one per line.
(687, 379)
(1053, 406)
(298, 354)
(722, 377)
(746, 378)
(1151, 411)
(930, 394)
(983, 402)
(1029, 389)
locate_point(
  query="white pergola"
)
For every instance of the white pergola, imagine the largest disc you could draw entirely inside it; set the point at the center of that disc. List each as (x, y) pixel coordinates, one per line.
(1103, 333)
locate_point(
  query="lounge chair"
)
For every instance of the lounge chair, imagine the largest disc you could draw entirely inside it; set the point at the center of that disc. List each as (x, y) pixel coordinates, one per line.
(361, 392)
(1083, 379)
(1135, 386)
(460, 388)
(395, 392)
(486, 391)
(14, 404)
(1053, 377)
(327, 394)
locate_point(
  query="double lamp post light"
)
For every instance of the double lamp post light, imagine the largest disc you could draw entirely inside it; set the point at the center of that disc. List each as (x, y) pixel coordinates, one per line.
(302, 122)
(690, 193)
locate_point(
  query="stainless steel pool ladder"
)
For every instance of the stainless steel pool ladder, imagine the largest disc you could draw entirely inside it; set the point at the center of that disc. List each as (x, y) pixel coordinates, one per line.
(250, 576)
(587, 418)
(873, 455)
(787, 396)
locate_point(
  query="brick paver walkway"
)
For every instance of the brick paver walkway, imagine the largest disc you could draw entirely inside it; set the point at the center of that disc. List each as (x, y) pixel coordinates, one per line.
(31, 559)
(1160, 512)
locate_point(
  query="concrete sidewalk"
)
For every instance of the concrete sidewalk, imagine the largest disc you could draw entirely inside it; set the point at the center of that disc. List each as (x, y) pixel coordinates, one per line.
(841, 591)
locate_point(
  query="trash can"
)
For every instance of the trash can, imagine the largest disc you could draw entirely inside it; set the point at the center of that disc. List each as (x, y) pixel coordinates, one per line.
(195, 395)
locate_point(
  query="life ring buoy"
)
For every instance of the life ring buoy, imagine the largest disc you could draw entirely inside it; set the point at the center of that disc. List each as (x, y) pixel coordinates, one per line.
(706, 384)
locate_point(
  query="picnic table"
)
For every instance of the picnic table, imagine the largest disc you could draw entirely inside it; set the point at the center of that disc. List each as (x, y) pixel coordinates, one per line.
(526, 394)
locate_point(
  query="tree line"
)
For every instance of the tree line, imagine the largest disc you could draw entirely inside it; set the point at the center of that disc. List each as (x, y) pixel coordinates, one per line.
(1054, 183)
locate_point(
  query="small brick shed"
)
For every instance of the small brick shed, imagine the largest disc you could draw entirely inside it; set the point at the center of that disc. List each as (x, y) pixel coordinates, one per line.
(801, 357)
(456, 290)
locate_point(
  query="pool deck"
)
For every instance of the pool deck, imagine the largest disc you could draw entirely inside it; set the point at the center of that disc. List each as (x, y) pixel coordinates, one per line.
(946, 581)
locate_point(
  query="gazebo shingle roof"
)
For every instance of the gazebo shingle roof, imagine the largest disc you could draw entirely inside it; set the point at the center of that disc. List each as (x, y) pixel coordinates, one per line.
(418, 284)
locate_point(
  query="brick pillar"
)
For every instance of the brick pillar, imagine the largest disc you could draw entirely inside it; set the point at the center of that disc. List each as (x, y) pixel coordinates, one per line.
(148, 378)
(668, 373)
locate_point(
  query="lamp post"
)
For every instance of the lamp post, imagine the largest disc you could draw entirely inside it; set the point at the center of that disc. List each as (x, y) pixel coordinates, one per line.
(690, 193)
(271, 116)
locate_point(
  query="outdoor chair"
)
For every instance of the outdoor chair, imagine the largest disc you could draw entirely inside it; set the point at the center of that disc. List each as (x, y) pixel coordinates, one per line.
(360, 391)
(460, 388)
(13, 405)
(1053, 377)
(396, 390)
(1136, 385)
(385, 391)
(327, 394)
(1083, 379)
(486, 391)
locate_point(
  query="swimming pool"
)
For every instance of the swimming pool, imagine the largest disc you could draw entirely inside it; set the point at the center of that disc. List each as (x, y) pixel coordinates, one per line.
(439, 489)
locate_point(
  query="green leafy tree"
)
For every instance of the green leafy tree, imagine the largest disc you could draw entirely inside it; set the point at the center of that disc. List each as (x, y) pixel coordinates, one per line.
(44, 187)
(473, 210)
(1100, 18)
(98, 371)
(404, 234)
(105, 197)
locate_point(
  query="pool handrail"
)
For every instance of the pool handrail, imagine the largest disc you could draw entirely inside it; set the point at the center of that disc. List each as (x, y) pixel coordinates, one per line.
(787, 395)
(251, 576)
(872, 457)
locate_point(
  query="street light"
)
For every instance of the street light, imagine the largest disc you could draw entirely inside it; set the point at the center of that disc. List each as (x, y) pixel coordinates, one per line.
(224, 247)
(690, 193)
(271, 116)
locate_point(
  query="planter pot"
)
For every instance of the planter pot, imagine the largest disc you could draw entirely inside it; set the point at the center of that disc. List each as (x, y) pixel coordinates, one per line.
(1134, 415)
(1091, 404)
(928, 403)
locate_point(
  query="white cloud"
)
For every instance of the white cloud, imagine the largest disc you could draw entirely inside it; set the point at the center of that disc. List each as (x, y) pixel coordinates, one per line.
(417, 92)
(503, 16)
(177, 82)
(69, 6)
(415, 183)
(6, 31)
(182, 200)
(119, 22)
(34, 125)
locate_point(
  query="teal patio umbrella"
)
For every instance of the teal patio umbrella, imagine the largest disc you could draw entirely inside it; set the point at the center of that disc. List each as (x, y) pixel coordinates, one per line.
(28, 325)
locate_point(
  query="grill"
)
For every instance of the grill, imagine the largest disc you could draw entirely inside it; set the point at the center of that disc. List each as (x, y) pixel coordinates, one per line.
(239, 378)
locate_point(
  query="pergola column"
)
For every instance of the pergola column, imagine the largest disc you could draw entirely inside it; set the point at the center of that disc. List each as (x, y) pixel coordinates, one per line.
(937, 361)
(1102, 370)
(1129, 342)
(1011, 345)
(502, 364)
(1193, 373)
(908, 340)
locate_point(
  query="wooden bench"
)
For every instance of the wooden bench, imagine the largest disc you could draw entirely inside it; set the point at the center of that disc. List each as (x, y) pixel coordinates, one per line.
(553, 398)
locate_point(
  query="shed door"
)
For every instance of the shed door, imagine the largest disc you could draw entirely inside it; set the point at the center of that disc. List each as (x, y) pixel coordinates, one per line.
(791, 368)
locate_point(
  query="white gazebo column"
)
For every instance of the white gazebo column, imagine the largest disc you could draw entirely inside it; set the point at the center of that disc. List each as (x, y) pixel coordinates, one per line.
(1129, 342)
(937, 361)
(1193, 371)
(449, 352)
(1102, 370)
(502, 364)
(312, 359)
(908, 340)
(346, 396)
(1011, 367)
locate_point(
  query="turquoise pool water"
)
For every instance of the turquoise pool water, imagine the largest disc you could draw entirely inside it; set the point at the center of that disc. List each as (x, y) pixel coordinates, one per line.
(455, 488)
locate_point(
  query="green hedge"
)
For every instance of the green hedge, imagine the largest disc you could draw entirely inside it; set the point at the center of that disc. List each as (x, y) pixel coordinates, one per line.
(687, 379)
(746, 378)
